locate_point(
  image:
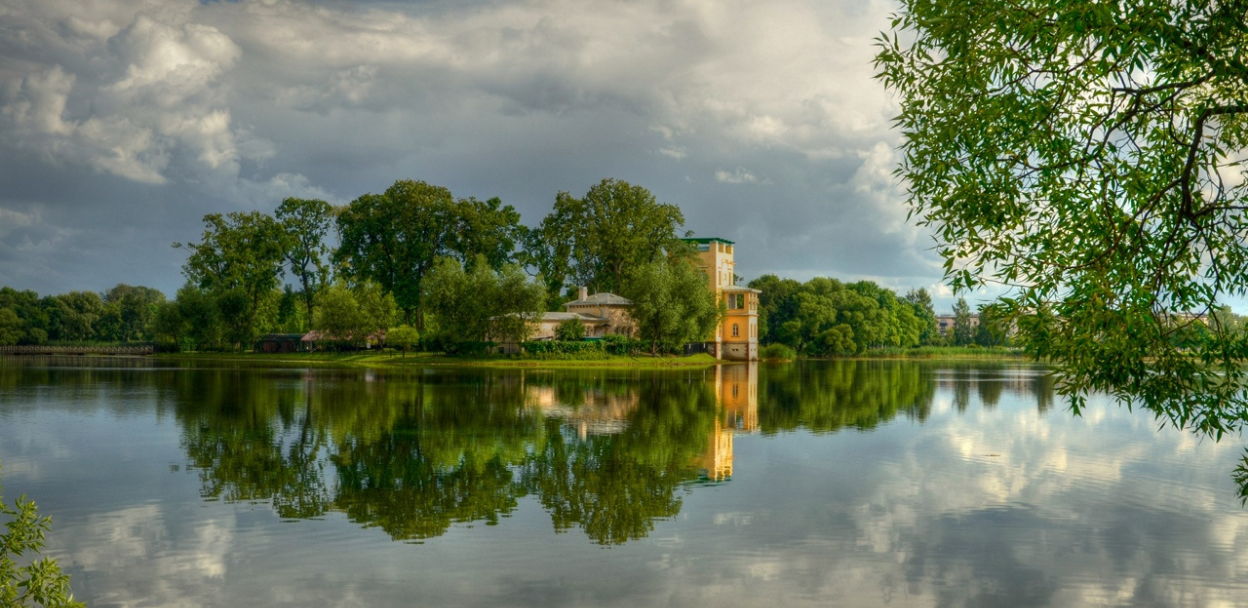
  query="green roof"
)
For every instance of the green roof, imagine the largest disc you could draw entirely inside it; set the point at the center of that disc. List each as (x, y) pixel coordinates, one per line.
(712, 239)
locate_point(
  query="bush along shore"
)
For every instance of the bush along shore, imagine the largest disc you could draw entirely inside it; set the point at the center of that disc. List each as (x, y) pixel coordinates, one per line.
(395, 359)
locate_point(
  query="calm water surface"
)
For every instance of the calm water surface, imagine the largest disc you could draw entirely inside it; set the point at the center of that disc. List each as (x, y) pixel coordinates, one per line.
(822, 483)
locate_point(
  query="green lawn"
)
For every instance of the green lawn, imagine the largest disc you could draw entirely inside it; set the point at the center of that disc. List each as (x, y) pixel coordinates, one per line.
(391, 359)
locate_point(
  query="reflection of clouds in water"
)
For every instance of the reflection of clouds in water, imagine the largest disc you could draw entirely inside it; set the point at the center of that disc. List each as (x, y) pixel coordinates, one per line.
(144, 556)
(1019, 515)
(137, 556)
(1003, 508)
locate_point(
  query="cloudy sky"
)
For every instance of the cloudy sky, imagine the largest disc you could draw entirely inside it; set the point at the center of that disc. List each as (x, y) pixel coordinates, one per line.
(122, 122)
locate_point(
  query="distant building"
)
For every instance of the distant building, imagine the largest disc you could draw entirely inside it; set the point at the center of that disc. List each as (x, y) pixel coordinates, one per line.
(601, 314)
(280, 343)
(736, 336)
(945, 323)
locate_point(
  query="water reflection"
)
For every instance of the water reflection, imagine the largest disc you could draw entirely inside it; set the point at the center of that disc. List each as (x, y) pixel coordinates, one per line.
(609, 453)
(898, 483)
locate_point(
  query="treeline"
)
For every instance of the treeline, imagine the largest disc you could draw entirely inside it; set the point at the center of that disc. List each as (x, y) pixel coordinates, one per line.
(125, 313)
(448, 271)
(826, 317)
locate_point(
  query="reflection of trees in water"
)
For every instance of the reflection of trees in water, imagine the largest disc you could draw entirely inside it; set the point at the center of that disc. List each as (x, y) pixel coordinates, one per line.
(414, 457)
(861, 394)
(839, 394)
(614, 486)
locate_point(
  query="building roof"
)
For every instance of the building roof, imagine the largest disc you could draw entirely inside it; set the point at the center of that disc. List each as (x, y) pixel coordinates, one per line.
(564, 316)
(740, 289)
(600, 299)
(709, 239)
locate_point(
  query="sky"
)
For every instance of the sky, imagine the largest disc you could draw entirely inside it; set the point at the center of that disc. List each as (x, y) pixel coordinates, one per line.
(123, 122)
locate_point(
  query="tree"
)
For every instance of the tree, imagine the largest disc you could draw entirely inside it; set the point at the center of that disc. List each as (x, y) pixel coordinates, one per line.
(351, 315)
(671, 304)
(40, 583)
(775, 306)
(570, 330)
(33, 321)
(597, 241)
(921, 301)
(11, 327)
(403, 337)
(72, 316)
(992, 330)
(395, 238)
(239, 261)
(135, 309)
(488, 229)
(1087, 155)
(200, 318)
(305, 224)
(480, 304)
(963, 332)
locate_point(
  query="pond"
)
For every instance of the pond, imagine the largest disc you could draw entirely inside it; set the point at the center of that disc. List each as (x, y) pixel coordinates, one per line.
(848, 483)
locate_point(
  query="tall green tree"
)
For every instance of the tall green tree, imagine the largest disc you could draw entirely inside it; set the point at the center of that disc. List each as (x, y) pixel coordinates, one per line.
(239, 261)
(11, 327)
(921, 302)
(671, 304)
(32, 319)
(135, 308)
(1089, 156)
(598, 240)
(487, 230)
(73, 316)
(305, 224)
(200, 322)
(394, 238)
(775, 305)
(963, 330)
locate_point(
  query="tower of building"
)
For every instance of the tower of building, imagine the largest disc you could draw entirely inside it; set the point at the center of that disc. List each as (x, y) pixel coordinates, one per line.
(736, 336)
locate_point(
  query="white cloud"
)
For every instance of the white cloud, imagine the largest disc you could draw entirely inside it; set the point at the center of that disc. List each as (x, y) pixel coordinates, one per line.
(738, 176)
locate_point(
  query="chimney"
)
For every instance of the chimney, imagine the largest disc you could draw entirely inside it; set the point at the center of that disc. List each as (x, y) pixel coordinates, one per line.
(582, 293)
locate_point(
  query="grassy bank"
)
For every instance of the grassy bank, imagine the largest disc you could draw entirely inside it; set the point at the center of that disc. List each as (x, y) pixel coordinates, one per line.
(397, 360)
(944, 352)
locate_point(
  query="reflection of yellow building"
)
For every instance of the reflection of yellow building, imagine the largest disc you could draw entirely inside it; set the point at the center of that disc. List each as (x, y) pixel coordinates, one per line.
(736, 336)
(736, 391)
(593, 411)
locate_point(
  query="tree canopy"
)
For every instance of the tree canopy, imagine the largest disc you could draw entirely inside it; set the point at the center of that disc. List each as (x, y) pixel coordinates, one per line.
(671, 304)
(395, 237)
(305, 224)
(597, 240)
(825, 316)
(477, 303)
(1087, 155)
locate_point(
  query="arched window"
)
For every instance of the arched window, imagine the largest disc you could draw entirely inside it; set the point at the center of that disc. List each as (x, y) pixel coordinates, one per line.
(736, 330)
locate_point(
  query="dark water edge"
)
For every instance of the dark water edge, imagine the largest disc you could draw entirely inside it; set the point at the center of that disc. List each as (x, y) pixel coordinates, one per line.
(869, 483)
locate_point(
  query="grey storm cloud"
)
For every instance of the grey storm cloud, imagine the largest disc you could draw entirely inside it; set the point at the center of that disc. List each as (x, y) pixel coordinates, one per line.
(127, 121)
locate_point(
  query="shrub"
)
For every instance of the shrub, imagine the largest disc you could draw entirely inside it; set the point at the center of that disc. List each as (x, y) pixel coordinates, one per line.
(40, 583)
(778, 352)
(559, 349)
(469, 349)
(616, 344)
(570, 330)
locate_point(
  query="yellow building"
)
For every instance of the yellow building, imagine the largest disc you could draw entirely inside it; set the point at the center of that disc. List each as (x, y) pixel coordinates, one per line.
(736, 337)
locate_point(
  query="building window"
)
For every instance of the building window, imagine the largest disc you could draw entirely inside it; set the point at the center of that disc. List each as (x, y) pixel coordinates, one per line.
(736, 330)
